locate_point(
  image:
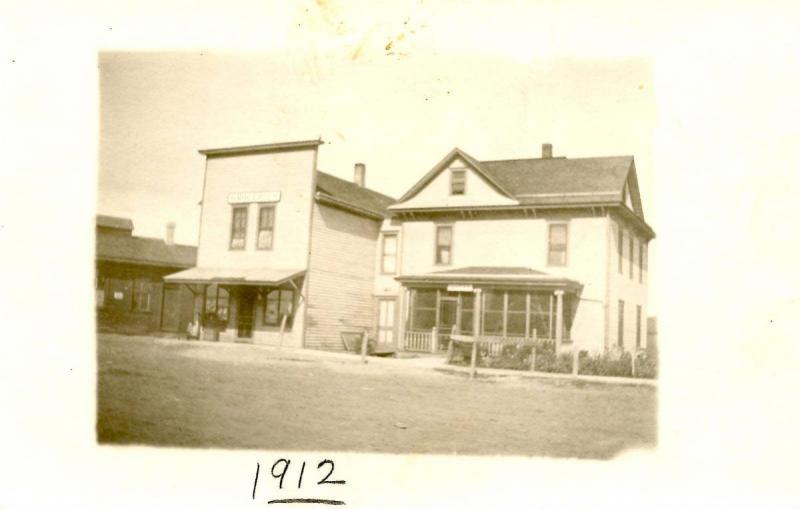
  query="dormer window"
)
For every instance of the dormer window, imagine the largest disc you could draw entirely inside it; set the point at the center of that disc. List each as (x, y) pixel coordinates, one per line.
(458, 181)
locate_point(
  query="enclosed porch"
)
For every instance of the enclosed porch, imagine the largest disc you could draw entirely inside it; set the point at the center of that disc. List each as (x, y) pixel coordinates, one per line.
(516, 304)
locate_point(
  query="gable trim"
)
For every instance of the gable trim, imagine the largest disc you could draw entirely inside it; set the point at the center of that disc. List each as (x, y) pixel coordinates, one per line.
(443, 164)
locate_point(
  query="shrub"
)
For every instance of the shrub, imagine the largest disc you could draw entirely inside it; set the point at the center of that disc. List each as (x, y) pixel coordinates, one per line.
(548, 362)
(647, 365)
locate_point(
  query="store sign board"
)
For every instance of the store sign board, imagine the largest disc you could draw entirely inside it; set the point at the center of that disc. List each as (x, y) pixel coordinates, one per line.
(459, 288)
(254, 197)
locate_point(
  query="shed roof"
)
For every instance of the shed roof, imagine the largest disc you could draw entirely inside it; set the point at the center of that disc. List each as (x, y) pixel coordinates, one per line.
(236, 276)
(117, 223)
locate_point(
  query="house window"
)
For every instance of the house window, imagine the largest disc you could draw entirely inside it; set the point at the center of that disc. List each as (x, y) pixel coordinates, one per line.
(141, 295)
(620, 323)
(557, 250)
(279, 303)
(458, 182)
(217, 300)
(444, 245)
(638, 326)
(641, 259)
(643, 262)
(266, 227)
(389, 253)
(619, 250)
(630, 257)
(238, 228)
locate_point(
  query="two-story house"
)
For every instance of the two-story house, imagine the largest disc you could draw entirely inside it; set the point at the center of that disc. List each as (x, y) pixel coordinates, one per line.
(285, 252)
(552, 248)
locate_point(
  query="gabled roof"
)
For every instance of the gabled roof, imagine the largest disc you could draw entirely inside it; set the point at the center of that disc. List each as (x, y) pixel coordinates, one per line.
(140, 250)
(341, 193)
(551, 181)
(441, 165)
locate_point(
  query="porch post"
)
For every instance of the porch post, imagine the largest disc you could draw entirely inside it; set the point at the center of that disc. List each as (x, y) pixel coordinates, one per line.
(559, 317)
(476, 323)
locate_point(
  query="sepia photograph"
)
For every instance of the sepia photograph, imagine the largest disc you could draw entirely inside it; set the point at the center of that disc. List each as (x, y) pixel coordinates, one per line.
(401, 254)
(488, 294)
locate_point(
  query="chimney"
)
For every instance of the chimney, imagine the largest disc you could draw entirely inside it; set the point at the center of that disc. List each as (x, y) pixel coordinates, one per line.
(359, 174)
(170, 236)
(547, 151)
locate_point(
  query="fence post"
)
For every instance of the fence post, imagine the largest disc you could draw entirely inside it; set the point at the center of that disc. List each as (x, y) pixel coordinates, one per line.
(533, 352)
(450, 350)
(434, 339)
(473, 359)
(364, 341)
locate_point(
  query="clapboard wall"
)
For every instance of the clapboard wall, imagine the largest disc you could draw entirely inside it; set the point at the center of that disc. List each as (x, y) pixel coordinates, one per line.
(340, 275)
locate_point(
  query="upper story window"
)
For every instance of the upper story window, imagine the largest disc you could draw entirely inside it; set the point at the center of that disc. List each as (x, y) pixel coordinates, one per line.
(557, 244)
(238, 228)
(642, 260)
(444, 245)
(389, 253)
(266, 227)
(630, 256)
(619, 249)
(458, 181)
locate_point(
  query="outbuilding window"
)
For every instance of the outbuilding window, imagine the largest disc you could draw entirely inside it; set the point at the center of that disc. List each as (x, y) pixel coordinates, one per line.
(557, 244)
(141, 295)
(444, 245)
(238, 228)
(266, 227)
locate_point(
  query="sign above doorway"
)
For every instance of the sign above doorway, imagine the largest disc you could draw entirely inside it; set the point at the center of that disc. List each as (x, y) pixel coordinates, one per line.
(459, 288)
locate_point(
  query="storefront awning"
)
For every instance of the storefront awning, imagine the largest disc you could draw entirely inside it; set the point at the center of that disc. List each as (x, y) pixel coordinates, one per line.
(492, 276)
(260, 276)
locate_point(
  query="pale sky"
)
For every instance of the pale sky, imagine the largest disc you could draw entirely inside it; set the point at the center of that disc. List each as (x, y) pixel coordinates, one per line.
(398, 113)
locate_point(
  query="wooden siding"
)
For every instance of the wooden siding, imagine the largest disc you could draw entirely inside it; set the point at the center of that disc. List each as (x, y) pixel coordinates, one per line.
(340, 276)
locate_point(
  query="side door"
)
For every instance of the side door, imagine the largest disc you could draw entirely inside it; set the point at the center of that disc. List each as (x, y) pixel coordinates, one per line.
(386, 338)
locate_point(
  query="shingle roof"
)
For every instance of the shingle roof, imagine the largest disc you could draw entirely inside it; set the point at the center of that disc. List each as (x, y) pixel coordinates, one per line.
(554, 179)
(497, 271)
(348, 193)
(493, 275)
(143, 250)
(118, 223)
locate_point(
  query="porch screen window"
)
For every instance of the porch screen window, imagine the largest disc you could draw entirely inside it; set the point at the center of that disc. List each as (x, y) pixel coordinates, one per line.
(515, 320)
(638, 326)
(389, 254)
(540, 314)
(444, 245)
(493, 305)
(557, 253)
(458, 181)
(279, 303)
(467, 313)
(239, 228)
(424, 316)
(266, 226)
(141, 295)
(217, 300)
(620, 322)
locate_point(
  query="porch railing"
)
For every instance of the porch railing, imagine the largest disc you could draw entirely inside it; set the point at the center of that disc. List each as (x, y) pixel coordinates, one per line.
(418, 340)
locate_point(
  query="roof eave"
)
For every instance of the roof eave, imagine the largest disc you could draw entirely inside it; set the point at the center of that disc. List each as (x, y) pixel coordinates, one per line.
(327, 199)
(270, 147)
(151, 263)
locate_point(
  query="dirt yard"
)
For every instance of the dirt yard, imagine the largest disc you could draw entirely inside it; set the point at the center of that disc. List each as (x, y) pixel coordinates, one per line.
(181, 393)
